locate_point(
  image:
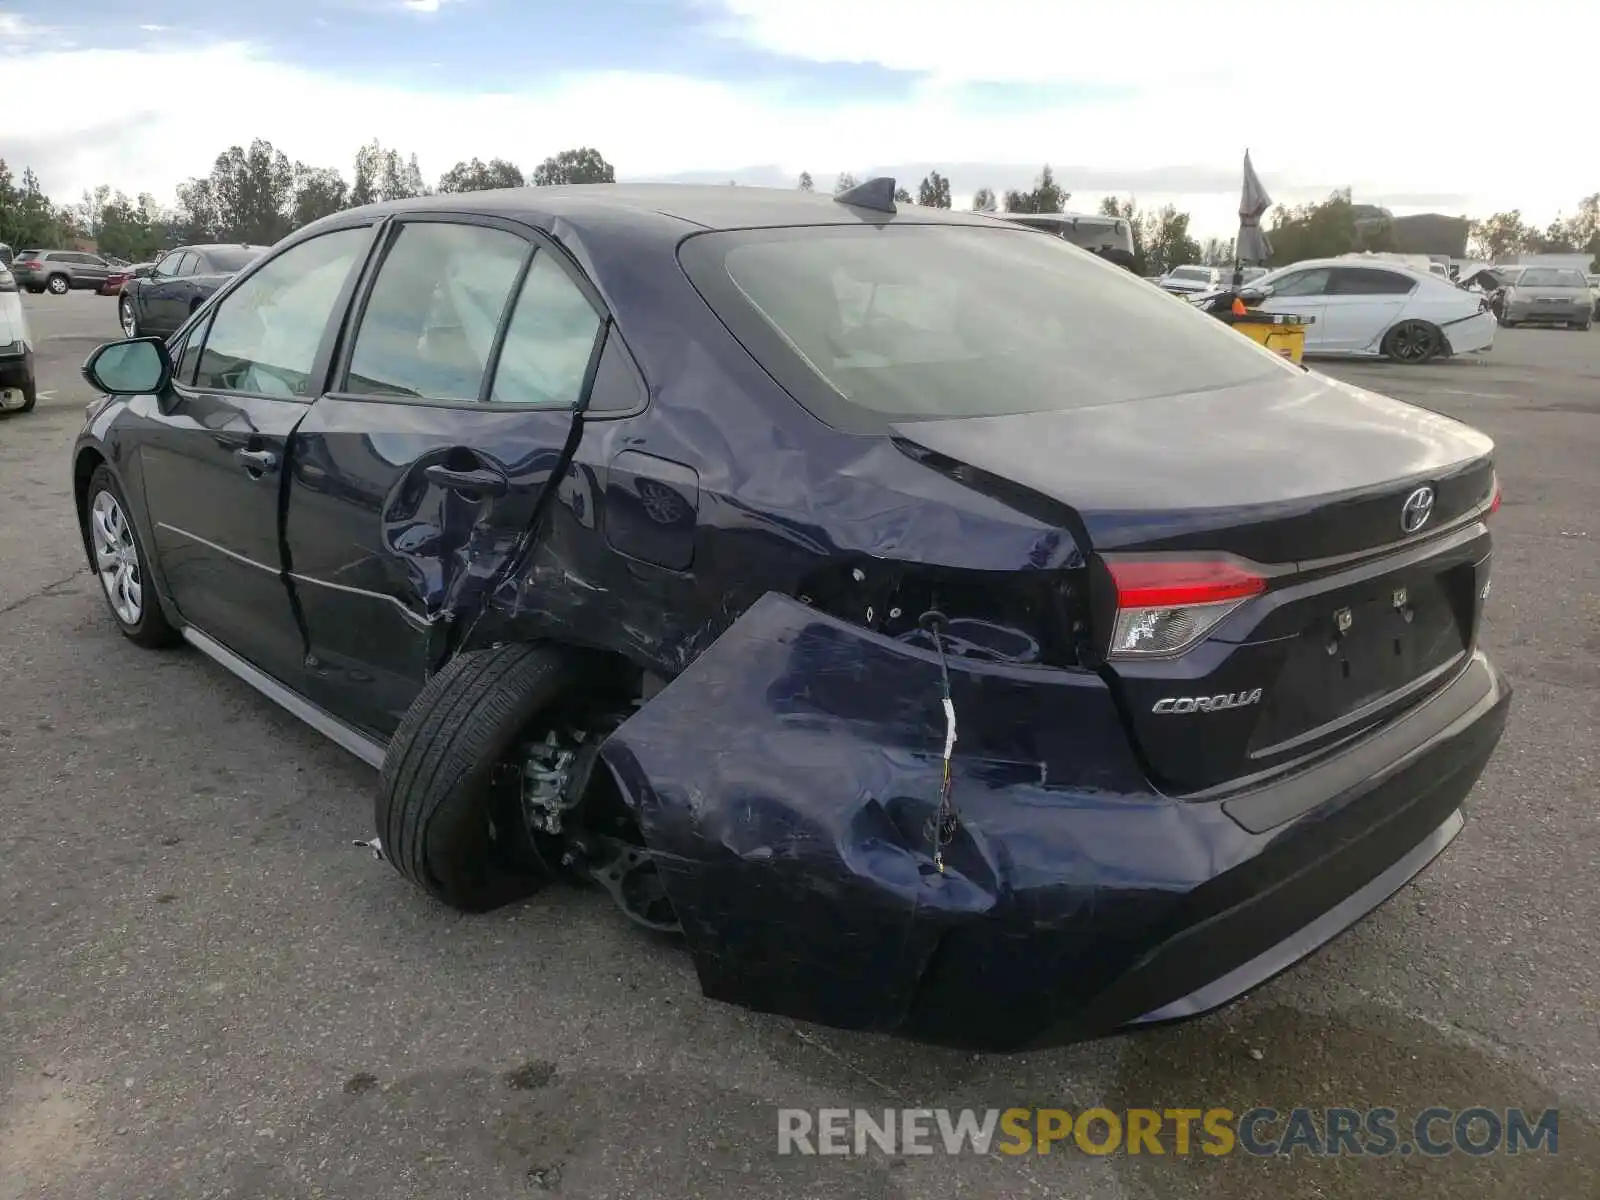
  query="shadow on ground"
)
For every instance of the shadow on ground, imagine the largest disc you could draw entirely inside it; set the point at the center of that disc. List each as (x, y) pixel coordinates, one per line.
(1357, 1059)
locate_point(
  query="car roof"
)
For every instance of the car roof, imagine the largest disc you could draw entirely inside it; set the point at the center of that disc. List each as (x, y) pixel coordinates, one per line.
(1374, 264)
(672, 207)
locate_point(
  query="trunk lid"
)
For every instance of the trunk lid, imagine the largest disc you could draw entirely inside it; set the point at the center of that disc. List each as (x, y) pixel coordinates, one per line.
(1305, 477)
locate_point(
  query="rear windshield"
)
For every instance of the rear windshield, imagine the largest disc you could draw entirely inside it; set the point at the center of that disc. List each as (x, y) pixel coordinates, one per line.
(231, 258)
(1198, 273)
(1551, 277)
(868, 324)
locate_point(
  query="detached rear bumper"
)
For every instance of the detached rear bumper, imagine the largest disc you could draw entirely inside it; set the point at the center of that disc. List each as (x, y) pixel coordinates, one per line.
(784, 785)
(1474, 333)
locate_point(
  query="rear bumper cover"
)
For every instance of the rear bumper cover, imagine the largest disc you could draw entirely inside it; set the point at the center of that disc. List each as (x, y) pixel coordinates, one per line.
(1474, 333)
(784, 785)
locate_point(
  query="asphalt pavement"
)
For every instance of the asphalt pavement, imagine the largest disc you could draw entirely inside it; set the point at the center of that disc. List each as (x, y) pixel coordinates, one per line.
(206, 990)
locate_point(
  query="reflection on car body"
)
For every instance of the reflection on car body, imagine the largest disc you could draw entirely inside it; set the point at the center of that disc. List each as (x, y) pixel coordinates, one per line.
(814, 576)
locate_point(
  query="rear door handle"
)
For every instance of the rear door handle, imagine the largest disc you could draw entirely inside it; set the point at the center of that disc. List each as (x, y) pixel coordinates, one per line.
(478, 482)
(257, 462)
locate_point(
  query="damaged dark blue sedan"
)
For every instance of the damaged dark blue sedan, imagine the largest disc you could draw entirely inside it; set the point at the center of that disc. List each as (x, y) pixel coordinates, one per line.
(941, 629)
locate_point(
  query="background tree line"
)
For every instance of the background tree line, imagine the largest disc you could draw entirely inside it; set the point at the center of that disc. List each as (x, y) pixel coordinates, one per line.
(257, 194)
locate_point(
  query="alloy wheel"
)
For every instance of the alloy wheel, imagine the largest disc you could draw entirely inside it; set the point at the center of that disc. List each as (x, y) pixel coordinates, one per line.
(1413, 343)
(116, 558)
(130, 323)
(57, 286)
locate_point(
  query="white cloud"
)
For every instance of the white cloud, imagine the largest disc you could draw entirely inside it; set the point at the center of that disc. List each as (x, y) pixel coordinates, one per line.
(15, 28)
(155, 28)
(1387, 121)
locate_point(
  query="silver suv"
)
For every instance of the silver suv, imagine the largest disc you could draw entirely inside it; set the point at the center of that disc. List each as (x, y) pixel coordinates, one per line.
(60, 271)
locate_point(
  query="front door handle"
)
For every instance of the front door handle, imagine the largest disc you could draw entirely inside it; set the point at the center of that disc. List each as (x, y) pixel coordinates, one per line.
(478, 482)
(257, 462)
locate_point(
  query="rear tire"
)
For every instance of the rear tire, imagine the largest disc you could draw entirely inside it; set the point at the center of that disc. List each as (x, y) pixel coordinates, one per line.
(128, 317)
(1412, 343)
(448, 816)
(58, 285)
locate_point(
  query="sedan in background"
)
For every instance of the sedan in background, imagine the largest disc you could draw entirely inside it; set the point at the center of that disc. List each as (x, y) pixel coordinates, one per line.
(113, 284)
(156, 304)
(1193, 279)
(662, 536)
(1548, 296)
(1378, 310)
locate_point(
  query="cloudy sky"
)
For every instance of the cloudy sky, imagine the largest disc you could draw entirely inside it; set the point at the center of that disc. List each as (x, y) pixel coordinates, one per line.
(1158, 98)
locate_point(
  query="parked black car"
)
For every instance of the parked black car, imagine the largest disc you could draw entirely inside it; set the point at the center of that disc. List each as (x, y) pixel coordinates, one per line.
(941, 628)
(157, 303)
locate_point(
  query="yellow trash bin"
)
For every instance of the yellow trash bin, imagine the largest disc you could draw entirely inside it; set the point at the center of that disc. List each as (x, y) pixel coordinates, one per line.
(1282, 332)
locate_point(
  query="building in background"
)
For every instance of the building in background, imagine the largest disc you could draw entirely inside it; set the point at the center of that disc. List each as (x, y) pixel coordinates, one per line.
(1438, 236)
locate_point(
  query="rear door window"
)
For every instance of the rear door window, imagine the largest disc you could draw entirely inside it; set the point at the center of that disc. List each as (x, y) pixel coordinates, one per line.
(1369, 281)
(545, 358)
(431, 318)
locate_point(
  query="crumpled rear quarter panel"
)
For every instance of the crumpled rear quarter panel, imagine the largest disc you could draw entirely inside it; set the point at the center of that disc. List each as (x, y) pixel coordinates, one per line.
(785, 782)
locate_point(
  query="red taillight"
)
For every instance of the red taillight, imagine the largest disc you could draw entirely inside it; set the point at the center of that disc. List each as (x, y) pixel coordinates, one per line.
(1494, 501)
(1165, 606)
(31, 264)
(1157, 584)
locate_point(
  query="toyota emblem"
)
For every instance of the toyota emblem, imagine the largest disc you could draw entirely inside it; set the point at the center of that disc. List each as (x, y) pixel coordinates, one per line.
(1414, 513)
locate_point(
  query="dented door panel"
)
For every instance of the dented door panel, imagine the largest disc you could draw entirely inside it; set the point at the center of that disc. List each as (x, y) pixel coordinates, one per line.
(401, 517)
(785, 784)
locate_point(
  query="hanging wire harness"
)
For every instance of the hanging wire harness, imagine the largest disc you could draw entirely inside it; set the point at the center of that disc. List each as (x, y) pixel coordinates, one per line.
(944, 823)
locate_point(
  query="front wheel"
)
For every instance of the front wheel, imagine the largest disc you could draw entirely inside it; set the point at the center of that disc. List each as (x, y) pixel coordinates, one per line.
(1412, 343)
(58, 285)
(122, 565)
(129, 318)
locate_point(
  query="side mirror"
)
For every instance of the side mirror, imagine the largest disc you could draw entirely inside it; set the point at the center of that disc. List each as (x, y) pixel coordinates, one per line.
(132, 368)
(1257, 294)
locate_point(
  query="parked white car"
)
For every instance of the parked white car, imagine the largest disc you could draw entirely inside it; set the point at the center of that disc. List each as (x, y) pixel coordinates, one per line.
(1192, 279)
(1378, 310)
(18, 388)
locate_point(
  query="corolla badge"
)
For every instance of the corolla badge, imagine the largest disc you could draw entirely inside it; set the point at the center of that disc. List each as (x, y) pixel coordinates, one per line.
(1414, 513)
(1205, 704)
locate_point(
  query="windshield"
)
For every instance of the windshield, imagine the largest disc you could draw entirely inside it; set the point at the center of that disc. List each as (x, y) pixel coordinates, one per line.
(232, 258)
(1200, 274)
(869, 325)
(1551, 277)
